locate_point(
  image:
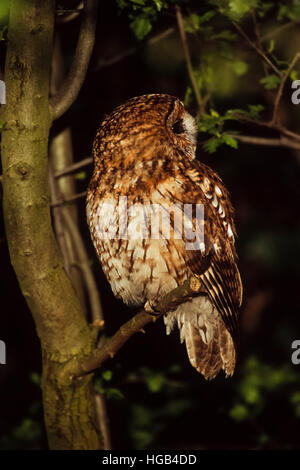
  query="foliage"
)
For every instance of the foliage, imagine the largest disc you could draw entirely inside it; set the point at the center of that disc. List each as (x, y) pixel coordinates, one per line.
(258, 382)
(213, 124)
(142, 14)
(29, 433)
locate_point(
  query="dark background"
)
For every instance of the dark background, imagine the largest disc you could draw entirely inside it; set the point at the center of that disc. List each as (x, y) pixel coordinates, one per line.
(155, 398)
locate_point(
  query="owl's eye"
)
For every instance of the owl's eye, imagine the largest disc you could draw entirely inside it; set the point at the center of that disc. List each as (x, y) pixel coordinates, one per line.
(177, 127)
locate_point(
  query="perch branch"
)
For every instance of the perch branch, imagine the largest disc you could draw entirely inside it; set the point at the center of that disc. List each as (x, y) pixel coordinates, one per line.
(82, 366)
(68, 92)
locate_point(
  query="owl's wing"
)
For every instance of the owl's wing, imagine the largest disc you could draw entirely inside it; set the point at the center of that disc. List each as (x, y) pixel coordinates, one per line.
(215, 261)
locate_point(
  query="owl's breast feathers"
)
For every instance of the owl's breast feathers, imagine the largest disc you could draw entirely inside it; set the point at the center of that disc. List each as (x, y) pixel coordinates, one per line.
(182, 183)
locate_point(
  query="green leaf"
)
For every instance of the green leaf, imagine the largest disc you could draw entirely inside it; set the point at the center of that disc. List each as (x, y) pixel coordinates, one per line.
(194, 22)
(211, 144)
(28, 430)
(295, 400)
(225, 34)
(228, 140)
(35, 378)
(292, 12)
(264, 7)
(138, 2)
(187, 97)
(239, 412)
(294, 75)
(141, 26)
(155, 382)
(206, 16)
(238, 8)
(240, 67)
(113, 394)
(255, 109)
(271, 82)
(271, 46)
(158, 4)
(107, 375)
(81, 175)
(3, 33)
(214, 113)
(122, 4)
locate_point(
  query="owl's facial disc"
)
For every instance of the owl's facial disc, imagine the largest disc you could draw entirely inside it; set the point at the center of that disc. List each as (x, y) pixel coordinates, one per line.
(183, 127)
(190, 127)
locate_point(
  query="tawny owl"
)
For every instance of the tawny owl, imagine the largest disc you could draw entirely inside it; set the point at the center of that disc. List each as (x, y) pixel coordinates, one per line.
(144, 163)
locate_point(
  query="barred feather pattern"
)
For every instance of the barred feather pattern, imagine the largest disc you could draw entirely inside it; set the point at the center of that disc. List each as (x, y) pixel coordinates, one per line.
(209, 344)
(145, 150)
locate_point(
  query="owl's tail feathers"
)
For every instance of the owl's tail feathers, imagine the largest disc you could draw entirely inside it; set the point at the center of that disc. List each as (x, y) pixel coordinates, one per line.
(209, 344)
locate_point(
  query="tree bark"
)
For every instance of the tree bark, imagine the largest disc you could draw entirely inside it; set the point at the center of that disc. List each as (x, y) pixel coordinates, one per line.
(60, 323)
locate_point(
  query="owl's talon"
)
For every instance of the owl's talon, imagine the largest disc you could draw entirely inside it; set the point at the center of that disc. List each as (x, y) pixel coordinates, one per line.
(151, 309)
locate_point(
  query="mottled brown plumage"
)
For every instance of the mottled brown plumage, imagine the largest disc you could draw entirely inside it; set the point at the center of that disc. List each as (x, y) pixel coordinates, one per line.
(145, 151)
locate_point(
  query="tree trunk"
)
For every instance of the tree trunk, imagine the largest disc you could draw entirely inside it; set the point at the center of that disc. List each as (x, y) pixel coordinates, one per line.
(60, 323)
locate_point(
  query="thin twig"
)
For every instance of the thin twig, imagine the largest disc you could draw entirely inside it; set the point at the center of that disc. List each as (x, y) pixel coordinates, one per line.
(132, 50)
(281, 86)
(258, 50)
(100, 409)
(60, 229)
(281, 142)
(68, 92)
(68, 199)
(84, 264)
(258, 39)
(269, 124)
(74, 167)
(278, 30)
(82, 366)
(188, 61)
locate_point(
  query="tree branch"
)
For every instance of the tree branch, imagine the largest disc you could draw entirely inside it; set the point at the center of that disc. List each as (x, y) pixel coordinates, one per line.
(34, 253)
(281, 142)
(132, 50)
(83, 261)
(258, 50)
(74, 167)
(269, 124)
(68, 93)
(258, 39)
(278, 30)
(69, 199)
(83, 365)
(281, 86)
(187, 55)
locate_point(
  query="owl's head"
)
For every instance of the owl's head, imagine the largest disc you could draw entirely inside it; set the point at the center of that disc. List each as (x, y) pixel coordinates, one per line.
(146, 126)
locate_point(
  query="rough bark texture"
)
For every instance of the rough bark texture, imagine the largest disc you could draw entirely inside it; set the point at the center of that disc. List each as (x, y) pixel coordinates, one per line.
(64, 333)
